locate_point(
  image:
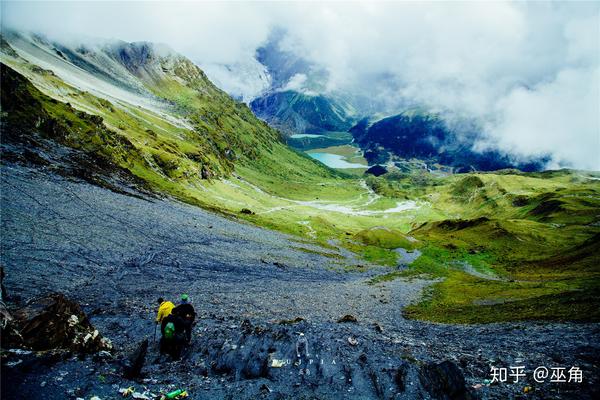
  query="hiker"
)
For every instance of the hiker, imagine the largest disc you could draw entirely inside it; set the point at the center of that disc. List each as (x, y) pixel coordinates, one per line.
(164, 309)
(173, 336)
(187, 314)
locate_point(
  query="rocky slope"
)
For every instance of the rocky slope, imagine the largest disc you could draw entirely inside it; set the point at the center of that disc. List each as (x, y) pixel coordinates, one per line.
(254, 290)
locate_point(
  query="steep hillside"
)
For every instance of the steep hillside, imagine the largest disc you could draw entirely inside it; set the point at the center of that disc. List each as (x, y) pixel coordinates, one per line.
(28, 117)
(183, 127)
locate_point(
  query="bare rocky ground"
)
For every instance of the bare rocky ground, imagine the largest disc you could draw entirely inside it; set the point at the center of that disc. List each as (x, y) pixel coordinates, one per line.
(255, 290)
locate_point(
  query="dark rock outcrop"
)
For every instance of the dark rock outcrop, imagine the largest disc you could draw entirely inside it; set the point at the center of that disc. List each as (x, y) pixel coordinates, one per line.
(376, 170)
(347, 318)
(428, 137)
(55, 322)
(133, 367)
(444, 381)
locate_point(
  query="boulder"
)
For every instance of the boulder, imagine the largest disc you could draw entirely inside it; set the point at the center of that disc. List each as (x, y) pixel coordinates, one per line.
(347, 318)
(444, 381)
(55, 322)
(133, 367)
(376, 170)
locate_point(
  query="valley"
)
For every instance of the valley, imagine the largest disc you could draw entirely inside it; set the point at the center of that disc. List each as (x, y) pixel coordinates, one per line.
(472, 218)
(113, 151)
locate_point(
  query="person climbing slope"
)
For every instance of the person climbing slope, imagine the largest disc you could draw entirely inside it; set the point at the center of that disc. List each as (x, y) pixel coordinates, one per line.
(173, 336)
(186, 312)
(164, 309)
(171, 329)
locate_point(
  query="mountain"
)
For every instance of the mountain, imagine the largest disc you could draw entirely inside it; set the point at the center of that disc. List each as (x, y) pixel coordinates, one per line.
(427, 137)
(291, 94)
(139, 118)
(285, 90)
(178, 127)
(295, 112)
(283, 64)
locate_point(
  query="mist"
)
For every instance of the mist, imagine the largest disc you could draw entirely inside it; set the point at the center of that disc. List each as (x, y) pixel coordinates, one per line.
(529, 73)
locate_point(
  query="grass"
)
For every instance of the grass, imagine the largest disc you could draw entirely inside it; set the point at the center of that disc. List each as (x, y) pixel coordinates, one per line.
(385, 238)
(484, 301)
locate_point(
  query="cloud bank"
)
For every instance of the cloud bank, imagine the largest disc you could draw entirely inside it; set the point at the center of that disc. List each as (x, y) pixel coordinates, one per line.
(528, 72)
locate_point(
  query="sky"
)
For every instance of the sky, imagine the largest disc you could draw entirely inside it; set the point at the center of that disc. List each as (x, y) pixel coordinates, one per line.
(529, 73)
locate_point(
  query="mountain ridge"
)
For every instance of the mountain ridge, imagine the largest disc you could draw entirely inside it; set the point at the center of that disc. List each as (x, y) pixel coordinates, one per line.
(169, 91)
(420, 135)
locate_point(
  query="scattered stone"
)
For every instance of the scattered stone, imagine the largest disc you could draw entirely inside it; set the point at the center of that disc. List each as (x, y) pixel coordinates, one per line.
(247, 211)
(265, 388)
(347, 318)
(290, 321)
(13, 363)
(279, 265)
(20, 351)
(104, 355)
(205, 173)
(377, 327)
(126, 391)
(352, 341)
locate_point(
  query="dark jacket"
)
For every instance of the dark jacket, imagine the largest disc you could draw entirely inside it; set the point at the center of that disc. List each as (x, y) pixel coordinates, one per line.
(185, 311)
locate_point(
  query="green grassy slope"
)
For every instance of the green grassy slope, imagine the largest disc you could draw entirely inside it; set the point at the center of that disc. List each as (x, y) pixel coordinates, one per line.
(520, 246)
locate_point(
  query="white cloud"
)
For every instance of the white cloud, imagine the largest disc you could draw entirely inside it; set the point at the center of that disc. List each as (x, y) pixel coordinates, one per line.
(560, 118)
(298, 83)
(519, 68)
